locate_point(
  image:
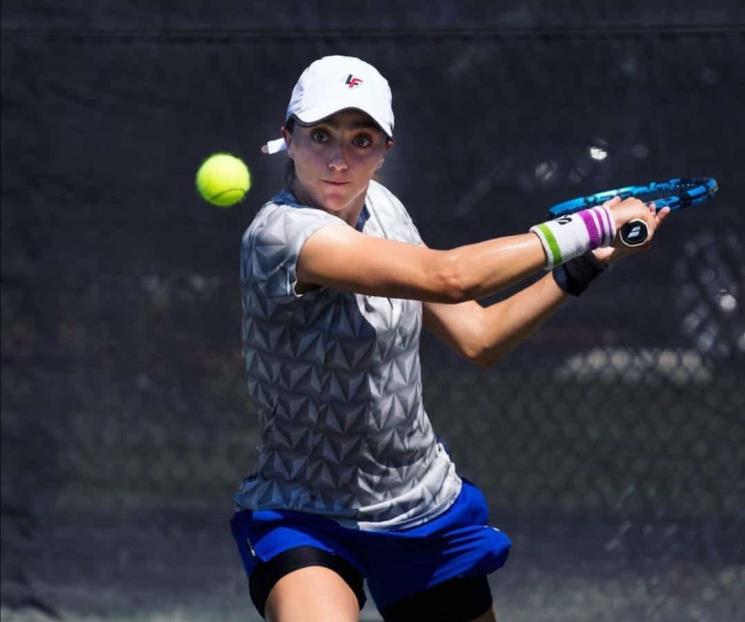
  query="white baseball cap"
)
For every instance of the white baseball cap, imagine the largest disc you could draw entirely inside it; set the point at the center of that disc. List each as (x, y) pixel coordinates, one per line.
(334, 83)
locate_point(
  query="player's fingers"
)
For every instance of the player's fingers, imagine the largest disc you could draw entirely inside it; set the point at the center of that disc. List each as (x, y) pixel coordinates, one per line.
(629, 209)
(611, 202)
(653, 223)
(635, 201)
(646, 214)
(659, 217)
(662, 215)
(631, 203)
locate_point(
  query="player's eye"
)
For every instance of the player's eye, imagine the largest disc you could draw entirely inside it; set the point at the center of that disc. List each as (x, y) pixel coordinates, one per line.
(362, 140)
(319, 135)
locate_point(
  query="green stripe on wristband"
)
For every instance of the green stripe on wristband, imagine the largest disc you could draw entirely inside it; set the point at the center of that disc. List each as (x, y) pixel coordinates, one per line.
(553, 245)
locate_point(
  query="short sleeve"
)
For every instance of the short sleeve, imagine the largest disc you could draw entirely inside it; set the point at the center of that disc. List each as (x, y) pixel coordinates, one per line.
(398, 222)
(414, 237)
(271, 247)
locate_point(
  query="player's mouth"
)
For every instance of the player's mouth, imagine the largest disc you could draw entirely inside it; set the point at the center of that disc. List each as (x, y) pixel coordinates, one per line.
(335, 183)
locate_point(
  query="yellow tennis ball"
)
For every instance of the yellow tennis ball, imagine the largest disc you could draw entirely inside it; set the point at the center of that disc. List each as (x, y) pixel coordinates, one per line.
(223, 179)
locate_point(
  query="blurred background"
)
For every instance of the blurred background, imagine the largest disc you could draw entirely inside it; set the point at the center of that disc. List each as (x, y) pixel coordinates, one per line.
(611, 446)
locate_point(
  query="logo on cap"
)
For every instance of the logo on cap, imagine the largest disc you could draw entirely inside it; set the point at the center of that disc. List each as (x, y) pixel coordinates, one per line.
(351, 81)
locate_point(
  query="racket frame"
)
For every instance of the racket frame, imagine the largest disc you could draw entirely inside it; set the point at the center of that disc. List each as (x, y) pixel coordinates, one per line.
(683, 192)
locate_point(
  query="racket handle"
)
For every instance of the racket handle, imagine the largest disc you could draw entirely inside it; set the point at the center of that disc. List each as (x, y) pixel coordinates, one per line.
(634, 233)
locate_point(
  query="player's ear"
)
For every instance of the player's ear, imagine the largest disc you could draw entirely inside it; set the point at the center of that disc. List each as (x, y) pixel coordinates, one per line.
(388, 146)
(287, 135)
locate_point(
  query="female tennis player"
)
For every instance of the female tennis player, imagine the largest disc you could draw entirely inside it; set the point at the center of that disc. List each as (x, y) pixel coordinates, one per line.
(350, 482)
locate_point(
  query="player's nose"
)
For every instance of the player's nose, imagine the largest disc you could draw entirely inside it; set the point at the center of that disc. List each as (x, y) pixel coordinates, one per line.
(337, 159)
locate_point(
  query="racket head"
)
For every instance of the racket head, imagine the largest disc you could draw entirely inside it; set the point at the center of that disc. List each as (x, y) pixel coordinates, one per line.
(675, 193)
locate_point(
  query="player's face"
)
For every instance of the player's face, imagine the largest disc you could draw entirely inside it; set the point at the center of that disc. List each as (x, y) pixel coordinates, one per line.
(335, 160)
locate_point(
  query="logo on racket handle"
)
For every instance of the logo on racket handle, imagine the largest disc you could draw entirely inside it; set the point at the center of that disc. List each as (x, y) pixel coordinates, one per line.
(634, 233)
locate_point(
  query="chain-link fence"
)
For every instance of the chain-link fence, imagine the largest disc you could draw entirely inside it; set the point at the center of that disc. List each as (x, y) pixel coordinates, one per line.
(611, 445)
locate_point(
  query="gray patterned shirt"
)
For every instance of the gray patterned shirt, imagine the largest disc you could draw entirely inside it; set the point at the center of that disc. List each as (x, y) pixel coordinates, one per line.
(336, 380)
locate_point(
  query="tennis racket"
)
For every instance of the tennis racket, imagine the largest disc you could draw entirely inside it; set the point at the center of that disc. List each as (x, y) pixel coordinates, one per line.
(675, 193)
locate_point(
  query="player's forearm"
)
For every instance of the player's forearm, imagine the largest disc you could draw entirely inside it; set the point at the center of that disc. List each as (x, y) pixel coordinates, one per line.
(482, 269)
(508, 323)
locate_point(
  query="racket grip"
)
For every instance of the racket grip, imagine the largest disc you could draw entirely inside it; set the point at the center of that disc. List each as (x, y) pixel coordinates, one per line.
(634, 233)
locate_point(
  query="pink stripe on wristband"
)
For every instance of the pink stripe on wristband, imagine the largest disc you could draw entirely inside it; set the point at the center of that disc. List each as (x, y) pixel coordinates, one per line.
(589, 220)
(603, 224)
(574, 234)
(610, 229)
(597, 212)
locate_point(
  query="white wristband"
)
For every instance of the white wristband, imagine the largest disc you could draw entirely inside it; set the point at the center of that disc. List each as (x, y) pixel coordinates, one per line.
(572, 235)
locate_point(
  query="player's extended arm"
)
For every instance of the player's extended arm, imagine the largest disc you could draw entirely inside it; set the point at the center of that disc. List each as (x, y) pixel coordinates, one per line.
(338, 256)
(485, 334)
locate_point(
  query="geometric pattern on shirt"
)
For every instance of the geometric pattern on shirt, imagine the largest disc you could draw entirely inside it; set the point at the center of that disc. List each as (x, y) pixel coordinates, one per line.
(336, 380)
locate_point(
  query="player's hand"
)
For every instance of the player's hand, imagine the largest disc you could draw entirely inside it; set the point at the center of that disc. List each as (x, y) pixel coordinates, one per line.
(624, 211)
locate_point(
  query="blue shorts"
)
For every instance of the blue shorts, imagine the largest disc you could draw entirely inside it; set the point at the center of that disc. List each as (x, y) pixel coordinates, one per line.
(396, 563)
